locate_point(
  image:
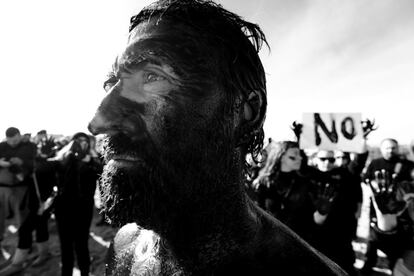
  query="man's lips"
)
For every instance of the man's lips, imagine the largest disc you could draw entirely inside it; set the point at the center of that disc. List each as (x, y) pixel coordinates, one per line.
(124, 160)
(126, 157)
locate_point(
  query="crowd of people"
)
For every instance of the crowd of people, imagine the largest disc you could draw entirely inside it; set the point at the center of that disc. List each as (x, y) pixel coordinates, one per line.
(40, 176)
(319, 196)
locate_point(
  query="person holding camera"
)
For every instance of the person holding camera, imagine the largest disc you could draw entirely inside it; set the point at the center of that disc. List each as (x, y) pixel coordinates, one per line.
(39, 198)
(74, 203)
(16, 167)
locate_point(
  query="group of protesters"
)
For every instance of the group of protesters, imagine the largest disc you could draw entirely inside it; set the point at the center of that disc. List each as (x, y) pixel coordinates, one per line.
(39, 176)
(319, 195)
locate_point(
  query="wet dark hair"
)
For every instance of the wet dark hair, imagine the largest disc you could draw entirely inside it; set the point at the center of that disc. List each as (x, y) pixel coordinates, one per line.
(80, 135)
(11, 132)
(223, 46)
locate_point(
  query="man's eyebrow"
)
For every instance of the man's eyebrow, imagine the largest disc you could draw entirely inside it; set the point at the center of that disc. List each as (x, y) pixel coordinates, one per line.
(133, 62)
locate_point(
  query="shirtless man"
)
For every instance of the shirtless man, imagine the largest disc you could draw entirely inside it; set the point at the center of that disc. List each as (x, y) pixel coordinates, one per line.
(185, 103)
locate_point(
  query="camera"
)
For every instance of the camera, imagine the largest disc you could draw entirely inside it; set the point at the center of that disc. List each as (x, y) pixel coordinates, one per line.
(79, 150)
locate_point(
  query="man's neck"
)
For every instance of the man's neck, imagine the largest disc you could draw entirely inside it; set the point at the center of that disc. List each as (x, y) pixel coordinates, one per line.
(204, 237)
(215, 248)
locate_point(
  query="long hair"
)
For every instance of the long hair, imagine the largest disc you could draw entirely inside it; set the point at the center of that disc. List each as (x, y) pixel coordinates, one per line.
(275, 152)
(223, 46)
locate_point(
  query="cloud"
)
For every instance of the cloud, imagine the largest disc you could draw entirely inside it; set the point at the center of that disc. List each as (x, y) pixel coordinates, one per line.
(341, 55)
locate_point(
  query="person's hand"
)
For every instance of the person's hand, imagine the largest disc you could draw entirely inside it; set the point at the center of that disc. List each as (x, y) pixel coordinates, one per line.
(87, 158)
(16, 161)
(49, 202)
(384, 193)
(45, 205)
(41, 209)
(297, 129)
(261, 182)
(4, 163)
(63, 154)
(48, 147)
(324, 197)
(368, 127)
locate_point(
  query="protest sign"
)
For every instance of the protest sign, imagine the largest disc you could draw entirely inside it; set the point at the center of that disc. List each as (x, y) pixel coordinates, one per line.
(332, 131)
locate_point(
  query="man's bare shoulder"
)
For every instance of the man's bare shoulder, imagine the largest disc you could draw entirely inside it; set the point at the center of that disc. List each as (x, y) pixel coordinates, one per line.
(126, 236)
(281, 249)
(134, 252)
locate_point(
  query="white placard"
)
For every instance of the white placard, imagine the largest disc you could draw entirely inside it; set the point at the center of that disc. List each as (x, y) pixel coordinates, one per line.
(332, 131)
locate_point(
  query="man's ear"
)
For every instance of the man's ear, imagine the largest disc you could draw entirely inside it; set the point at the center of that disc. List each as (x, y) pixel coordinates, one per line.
(254, 109)
(253, 115)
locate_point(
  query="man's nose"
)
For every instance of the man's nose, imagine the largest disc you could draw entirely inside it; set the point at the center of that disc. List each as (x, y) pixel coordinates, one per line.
(105, 118)
(97, 124)
(118, 114)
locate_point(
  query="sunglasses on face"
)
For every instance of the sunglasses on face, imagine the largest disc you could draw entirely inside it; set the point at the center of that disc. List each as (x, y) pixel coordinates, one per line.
(329, 159)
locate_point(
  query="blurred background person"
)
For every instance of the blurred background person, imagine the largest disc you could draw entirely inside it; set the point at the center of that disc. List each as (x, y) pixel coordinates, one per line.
(40, 190)
(27, 137)
(16, 166)
(392, 163)
(74, 204)
(355, 164)
(283, 192)
(394, 207)
(337, 223)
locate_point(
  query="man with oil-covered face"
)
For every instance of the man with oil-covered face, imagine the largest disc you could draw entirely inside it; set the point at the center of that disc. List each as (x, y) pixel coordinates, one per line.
(185, 103)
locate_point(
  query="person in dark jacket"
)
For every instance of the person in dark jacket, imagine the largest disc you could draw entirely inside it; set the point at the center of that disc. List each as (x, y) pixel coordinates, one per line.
(74, 203)
(391, 161)
(393, 164)
(283, 192)
(337, 222)
(16, 167)
(39, 200)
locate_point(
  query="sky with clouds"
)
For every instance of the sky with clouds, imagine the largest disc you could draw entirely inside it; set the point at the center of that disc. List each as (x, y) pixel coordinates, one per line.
(325, 56)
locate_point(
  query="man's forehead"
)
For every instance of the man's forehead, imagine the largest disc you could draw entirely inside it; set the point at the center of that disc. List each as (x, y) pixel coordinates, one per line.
(161, 33)
(145, 46)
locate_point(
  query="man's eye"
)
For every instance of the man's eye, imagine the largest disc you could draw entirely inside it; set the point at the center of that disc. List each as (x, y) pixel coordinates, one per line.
(151, 77)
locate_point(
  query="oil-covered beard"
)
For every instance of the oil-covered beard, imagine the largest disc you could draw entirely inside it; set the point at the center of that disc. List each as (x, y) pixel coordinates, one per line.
(134, 193)
(189, 178)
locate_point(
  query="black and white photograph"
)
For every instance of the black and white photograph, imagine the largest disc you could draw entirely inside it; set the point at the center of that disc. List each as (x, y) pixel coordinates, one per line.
(207, 137)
